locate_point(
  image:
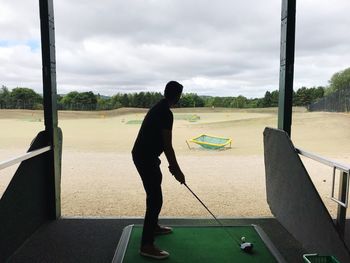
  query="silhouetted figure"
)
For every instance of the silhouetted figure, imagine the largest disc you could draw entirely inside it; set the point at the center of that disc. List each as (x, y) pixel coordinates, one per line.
(154, 138)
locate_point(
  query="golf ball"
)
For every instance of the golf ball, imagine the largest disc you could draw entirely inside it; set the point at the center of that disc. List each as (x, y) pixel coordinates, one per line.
(243, 239)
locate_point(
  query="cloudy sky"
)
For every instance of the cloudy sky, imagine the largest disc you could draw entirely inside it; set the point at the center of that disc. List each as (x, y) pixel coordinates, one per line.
(222, 47)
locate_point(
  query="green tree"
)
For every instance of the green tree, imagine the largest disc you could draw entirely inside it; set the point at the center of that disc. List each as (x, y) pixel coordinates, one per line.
(116, 100)
(226, 102)
(79, 101)
(25, 98)
(68, 100)
(316, 93)
(137, 100)
(104, 103)
(274, 98)
(4, 98)
(198, 101)
(319, 92)
(252, 103)
(240, 102)
(208, 101)
(218, 102)
(191, 100)
(339, 81)
(87, 100)
(124, 100)
(303, 96)
(267, 100)
(187, 101)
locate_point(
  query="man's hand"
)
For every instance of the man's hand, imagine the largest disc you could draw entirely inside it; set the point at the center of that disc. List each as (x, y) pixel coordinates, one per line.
(179, 176)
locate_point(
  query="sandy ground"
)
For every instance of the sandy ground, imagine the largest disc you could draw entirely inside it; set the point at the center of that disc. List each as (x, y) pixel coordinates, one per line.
(99, 179)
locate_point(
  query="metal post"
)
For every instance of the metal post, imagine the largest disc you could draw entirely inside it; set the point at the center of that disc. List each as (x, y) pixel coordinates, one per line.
(341, 213)
(50, 104)
(287, 47)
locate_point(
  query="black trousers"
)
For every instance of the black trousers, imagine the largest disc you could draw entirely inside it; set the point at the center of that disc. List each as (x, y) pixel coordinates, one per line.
(151, 176)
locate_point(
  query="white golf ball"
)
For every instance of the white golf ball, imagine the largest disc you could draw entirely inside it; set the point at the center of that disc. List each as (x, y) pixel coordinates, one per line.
(243, 239)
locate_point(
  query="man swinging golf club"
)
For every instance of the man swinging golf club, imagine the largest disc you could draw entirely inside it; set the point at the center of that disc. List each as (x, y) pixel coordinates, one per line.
(154, 138)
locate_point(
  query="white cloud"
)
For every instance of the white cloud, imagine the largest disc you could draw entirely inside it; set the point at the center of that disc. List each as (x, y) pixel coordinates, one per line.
(20, 66)
(219, 47)
(19, 20)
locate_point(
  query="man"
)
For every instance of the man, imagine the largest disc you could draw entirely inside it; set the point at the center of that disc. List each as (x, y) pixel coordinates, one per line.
(154, 138)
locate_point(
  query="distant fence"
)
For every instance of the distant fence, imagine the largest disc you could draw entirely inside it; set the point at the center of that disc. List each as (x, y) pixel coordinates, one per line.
(77, 107)
(31, 105)
(21, 104)
(338, 101)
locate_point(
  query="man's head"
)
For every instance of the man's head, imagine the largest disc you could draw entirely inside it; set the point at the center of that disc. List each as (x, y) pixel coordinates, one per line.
(172, 92)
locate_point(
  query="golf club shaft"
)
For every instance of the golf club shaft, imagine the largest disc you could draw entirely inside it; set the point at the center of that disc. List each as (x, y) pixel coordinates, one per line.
(217, 220)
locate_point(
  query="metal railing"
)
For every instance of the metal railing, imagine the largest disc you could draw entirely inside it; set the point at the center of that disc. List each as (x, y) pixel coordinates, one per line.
(343, 194)
(24, 157)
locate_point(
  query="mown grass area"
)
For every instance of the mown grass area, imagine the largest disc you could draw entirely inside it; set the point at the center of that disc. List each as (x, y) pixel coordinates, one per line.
(134, 122)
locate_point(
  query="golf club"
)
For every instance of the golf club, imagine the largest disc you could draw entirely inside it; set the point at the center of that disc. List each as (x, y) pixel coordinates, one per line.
(246, 247)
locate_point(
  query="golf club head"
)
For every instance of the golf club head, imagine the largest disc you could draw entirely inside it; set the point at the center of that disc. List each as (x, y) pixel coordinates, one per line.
(247, 247)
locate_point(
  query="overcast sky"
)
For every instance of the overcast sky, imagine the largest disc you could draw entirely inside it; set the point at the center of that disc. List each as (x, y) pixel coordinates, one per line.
(222, 47)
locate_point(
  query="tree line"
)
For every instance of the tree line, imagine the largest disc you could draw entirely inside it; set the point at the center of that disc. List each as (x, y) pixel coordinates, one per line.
(26, 98)
(20, 98)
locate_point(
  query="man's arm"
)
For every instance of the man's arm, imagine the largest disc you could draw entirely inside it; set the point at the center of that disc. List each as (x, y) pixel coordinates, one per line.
(174, 167)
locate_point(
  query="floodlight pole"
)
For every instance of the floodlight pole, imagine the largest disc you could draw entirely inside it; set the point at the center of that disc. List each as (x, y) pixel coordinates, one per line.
(54, 133)
(287, 47)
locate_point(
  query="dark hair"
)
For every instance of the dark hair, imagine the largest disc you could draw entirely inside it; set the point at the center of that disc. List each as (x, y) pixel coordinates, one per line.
(172, 90)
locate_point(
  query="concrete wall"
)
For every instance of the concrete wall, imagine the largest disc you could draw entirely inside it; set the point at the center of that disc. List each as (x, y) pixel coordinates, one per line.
(294, 200)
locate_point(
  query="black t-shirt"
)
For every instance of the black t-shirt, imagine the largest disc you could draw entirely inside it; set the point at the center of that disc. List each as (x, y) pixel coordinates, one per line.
(149, 141)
